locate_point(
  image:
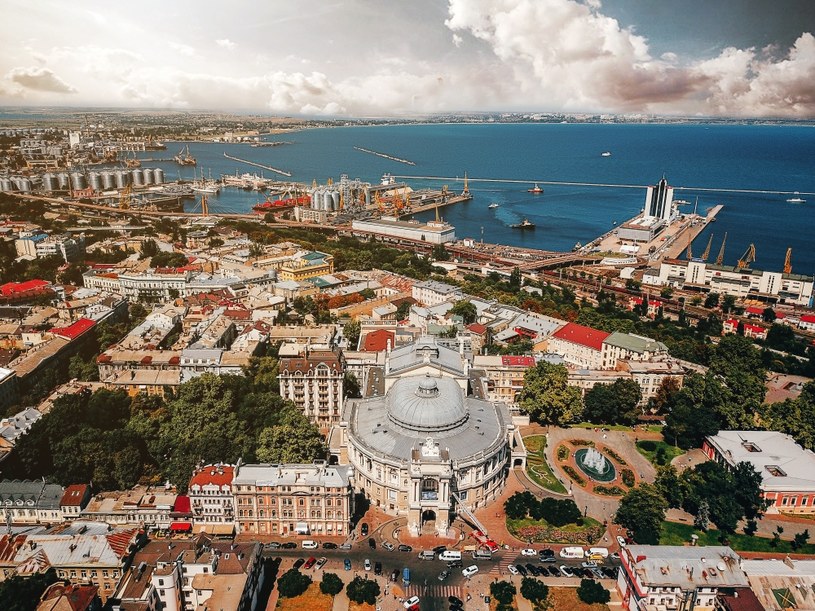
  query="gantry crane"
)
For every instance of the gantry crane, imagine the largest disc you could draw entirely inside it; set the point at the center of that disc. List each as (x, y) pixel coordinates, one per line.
(720, 257)
(706, 254)
(125, 198)
(748, 257)
(788, 262)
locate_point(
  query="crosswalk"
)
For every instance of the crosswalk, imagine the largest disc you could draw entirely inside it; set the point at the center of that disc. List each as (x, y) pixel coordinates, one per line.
(500, 567)
(433, 591)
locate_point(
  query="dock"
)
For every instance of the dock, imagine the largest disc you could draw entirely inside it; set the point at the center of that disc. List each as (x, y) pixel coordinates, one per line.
(679, 243)
(258, 165)
(384, 155)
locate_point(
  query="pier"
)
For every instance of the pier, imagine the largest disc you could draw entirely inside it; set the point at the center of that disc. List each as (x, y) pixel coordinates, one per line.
(384, 155)
(258, 165)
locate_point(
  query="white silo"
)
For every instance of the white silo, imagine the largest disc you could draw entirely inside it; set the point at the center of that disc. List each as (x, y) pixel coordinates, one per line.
(158, 176)
(78, 181)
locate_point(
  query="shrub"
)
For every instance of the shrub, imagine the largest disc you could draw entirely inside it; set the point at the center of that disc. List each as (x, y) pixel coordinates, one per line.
(331, 584)
(648, 445)
(533, 590)
(628, 477)
(503, 592)
(362, 591)
(581, 442)
(574, 475)
(562, 453)
(609, 490)
(615, 456)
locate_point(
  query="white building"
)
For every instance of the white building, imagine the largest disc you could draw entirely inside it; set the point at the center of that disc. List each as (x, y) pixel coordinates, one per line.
(431, 293)
(431, 232)
(630, 347)
(659, 201)
(579, 346)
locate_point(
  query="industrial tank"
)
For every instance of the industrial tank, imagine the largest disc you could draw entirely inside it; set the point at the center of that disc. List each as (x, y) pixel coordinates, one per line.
(95, 180)
(78, 181)
(138, 177)
(50, 182)
(108, 180)
(158, 176)
(148, 176)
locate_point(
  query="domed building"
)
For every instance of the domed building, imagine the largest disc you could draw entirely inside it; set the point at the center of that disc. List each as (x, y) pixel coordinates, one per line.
(425, 449)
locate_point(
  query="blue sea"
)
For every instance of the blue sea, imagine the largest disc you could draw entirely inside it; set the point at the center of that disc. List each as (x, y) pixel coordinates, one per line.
(727, 157)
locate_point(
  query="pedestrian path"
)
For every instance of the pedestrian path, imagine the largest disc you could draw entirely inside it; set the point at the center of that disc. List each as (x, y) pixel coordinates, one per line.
(433, 591)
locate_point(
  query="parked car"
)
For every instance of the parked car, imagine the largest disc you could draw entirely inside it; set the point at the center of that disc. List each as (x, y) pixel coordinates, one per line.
(310, 563)
(367, 564)
(512, 570)
(533, 570)
(347, 564)
(346, 546)
(566, 571)
(289, 545)
(444, 575)
(597, 573)
(320, 563)
(388, 545)
(363, 529)
(272, 545)
(554, 571)
(298, 563)
(377, 568)
(454, 564)
(547, 553)
(329, 545)
(470, 571)
(522, 569)
(405, 548)
(590, 564)
(394, 574)
(548, 559)
(615, 556)
(621, 540)
(455, 600)
(439, 549)
(372, 543)
(528, 551)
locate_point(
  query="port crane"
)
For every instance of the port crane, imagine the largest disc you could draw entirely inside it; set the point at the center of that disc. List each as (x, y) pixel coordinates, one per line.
(689, 252)
(126, 198)
(748, 257)
(720, 257)
(788, 262)
(706, 254)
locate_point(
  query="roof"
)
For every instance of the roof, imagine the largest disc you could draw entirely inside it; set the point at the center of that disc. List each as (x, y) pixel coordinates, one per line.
(437, 287)
(377, 341)
(477, 328)
(427, 404)
(775, 582)
(16, 288)
(426, 349)
(291, 474)
(517, 361)
(30, 493)
(807, 318)
(74, 495)
(782, 463)
(74, 330)
(685, 567)
(213, 475)
(634, 343)
(73, 597)
(585, 336)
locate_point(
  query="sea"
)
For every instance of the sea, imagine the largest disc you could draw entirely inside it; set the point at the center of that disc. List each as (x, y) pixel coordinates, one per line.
(750, 169)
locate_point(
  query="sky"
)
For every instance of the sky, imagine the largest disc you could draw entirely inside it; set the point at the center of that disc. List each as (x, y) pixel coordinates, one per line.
(394, 58)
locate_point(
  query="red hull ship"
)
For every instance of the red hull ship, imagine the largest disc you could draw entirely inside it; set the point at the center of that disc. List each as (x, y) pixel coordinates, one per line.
(277, 204)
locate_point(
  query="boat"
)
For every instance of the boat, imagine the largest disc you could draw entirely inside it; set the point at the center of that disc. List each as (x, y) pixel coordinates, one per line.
(682, 202)
(525, 224)
(290, 202)
(387, 179)
(492, 206)
(184, 157)
(605, 154)
(536, 190)
(203, 185)
(796, 199)
(577, 247)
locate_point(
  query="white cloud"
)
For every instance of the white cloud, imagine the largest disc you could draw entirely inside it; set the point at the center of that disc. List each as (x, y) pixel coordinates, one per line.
(226, 43)
(457, 40)
(183, 49)
(39, 79)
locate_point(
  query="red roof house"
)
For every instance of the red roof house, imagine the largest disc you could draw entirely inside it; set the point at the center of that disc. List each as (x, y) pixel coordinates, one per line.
(75, 330)
(377, 341)
(585, 336)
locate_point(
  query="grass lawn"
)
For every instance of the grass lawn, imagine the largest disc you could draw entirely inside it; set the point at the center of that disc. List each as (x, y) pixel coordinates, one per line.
(536, 466)
(674, 533)
(610, 427)
(311, 600)
(591, 529)
(671, 452)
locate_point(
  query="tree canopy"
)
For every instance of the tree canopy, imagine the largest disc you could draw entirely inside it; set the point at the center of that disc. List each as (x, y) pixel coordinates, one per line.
(615, 403)
(642, 511)
(547, 396)
(466, 309)
(293, 583)
(362, 591)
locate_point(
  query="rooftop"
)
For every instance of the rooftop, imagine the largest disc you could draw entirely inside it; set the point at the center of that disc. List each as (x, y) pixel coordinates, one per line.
(267, 474)
(635, 343)
(685, 567)
(585, 336)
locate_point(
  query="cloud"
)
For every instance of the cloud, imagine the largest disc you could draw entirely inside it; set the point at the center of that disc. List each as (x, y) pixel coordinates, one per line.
(226, 43)
(183, 49)
(457, 40)
(39, 79)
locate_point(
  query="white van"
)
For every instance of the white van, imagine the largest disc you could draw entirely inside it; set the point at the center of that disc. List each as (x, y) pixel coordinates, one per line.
(482, 554)
(596, 553)
(448, 555)
(307, 544)
(572, 552)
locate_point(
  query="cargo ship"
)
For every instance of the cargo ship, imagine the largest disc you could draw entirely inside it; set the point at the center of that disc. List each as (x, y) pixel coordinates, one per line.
(290, 202)
(525, 224)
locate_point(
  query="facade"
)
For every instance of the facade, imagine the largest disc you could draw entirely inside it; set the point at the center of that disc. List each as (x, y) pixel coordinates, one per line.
(74, 500)
(431, 232)
(307, 265)
(8, 387)
(314, 383)
(676, 577)
(630, 347)
(771, 287)
(579, 346)
(68, 247)
(425, 450)
(505, 375)
(731, 325)
(787, 470)
(145, 506)
(211, 498)
(30, 502)
(293, 499)
(659, 201)
(431, 293)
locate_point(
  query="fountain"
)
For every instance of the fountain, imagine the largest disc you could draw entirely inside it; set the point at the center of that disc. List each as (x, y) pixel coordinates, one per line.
(592, 462)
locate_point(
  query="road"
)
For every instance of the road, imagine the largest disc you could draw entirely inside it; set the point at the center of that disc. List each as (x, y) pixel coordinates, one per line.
(424, 573)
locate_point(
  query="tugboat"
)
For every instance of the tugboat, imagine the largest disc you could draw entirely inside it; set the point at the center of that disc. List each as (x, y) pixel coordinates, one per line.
(525, 224)
(605, 154)
(492, 206)
(536, 190)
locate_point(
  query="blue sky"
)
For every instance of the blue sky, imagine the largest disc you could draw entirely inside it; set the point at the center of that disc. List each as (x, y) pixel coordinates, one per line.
(394, 58)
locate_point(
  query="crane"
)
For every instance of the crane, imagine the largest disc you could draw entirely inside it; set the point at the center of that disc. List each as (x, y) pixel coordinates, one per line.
(125, 198)
(748, 257)
(720, 257)
(689, 252)
(379, 202)
(466, 191)
(706, 254)
(788, 262)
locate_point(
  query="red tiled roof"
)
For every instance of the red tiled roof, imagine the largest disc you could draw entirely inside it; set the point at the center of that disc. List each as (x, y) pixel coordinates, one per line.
(377, 341)
(74, 495)
(16, 288)
(209, 475)
(808, 318)
(78, 597)
(585, 336)
(734, 323)
(74, 330)
(517, 361)
(120, 541)
(182, 504)
(477, 328)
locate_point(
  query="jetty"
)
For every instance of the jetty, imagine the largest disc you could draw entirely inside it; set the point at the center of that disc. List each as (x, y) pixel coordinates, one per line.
(258, 165)
(384, 155)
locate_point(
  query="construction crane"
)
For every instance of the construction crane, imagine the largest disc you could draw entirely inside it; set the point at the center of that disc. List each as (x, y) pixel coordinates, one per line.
(706, 254)
(788, 262)
(748, 257)
(689, 252)
(125, 198)
(466, 191)
(720, 257)
(379, 202)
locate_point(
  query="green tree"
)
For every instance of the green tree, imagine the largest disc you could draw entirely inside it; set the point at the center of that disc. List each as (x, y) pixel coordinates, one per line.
(466, 309)
(149, 248)
(23, 593)
(728, 303)
(616, 403)
(671, 486)
(547, 396)
(516, 507)
(666, 391)
(739, 364)
(694, 412)
(79, 368)
(351, 332)
(331, 584)
(503, 592)
(642, 511)
(350, 386)
(293, 583)
(168, 259)
(712, 300)
(295, 439)
(590, 592)
(768, 315)
(800, 539)
(440, 253)
(666, 292)
(362, 591)
(533, 590)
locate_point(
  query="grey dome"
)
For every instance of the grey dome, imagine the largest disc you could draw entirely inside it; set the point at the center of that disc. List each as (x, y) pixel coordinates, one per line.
(426, 404)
